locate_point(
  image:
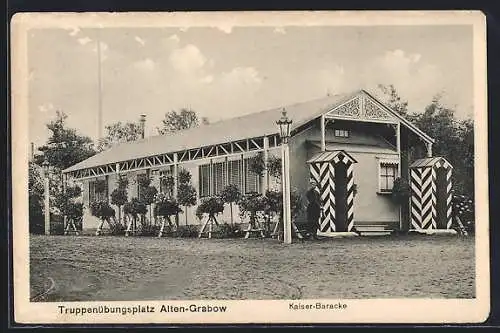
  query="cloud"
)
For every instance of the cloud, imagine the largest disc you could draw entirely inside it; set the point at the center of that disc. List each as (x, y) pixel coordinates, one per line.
(145, 64)
(225, 27)
(188, 59)
(398, 59)
(140, 40)
(84, 40)
(74, 31)
(104, 50)
(246, 75)
(415, 79)
(207, 79)
(279, 30)
(174, 38)
(46, 107)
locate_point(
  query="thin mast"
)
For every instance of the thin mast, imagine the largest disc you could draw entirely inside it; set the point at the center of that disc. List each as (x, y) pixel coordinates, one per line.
(99, 92)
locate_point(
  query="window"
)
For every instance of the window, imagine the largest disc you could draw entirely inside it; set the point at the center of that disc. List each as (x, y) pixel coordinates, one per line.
(388, 171)
(234, 168)
(251, 179)
(343, 133)
(219, 177)
(95, 190)
(215, 176)
(140, 188)
(204, 180)
(165, 178)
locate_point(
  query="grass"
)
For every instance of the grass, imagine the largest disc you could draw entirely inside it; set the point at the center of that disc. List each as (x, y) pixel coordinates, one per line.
(81, 268)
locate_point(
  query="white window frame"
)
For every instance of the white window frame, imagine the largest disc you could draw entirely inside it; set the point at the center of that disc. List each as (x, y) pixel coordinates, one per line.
(380, 162)
(243, 180)
(341, 133)
(93, 194)
(161, 173)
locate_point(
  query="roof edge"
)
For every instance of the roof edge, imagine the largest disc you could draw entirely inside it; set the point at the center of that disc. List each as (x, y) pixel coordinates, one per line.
(408, 124)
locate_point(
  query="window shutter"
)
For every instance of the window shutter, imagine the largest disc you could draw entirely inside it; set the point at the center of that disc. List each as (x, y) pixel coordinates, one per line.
(91, 191)
(219, 173)
(204, 180)
(235, 176)
(251, 179)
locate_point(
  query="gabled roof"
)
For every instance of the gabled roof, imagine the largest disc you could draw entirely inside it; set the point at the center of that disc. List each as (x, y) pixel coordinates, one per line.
(245, 127)
(335, 156)
(431, 161)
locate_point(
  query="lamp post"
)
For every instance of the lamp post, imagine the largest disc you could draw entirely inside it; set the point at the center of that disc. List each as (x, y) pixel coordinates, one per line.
(284, 125)
(45, 166)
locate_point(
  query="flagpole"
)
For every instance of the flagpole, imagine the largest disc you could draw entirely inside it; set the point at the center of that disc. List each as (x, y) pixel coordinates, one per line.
(99, 92)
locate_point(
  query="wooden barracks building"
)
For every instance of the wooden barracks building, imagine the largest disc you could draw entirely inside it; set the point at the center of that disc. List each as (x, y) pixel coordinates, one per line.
(351, 144)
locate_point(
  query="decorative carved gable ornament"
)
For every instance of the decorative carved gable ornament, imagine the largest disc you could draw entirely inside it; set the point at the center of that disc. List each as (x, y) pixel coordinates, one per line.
(361, 107)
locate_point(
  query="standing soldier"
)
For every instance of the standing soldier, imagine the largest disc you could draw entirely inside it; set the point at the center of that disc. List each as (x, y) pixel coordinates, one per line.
(313, 208)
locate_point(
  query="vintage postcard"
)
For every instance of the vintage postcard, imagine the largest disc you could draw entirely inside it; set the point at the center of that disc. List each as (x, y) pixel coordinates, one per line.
(250, 167)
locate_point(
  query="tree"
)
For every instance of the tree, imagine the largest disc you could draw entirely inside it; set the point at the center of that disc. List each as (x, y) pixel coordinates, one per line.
(119, 196)
(393, 100)
(231, 194)
(274, 167)
(35, 190)
(148, 193)
(454, 139)
(119, 132)
(186, 197)
(65, 147)
(186, 194)
(175, 121)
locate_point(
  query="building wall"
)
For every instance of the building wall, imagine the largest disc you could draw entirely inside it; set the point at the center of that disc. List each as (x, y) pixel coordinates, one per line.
(91, 222)
(369, 205)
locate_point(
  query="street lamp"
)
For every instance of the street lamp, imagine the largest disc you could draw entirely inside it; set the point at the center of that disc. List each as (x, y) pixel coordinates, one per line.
(45, 166)
(284, 124)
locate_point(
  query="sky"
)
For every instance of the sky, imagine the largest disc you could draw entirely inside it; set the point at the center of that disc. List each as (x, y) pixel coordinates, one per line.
(231, 71)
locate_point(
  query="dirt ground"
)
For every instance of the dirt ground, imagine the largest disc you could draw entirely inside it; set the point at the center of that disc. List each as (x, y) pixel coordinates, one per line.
(81, 268)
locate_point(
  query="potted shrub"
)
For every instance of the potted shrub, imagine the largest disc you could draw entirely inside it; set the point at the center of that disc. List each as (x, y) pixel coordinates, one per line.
(187, 197)
(463, 209)
(136, 209)
(212, 207)
(103, 211)
(274, 204)
(256, 164)
(231, 194)
(401, 191)
(119, 196)
(250, 205)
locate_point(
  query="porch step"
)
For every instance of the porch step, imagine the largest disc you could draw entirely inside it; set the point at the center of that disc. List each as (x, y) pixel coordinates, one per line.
(374, 229)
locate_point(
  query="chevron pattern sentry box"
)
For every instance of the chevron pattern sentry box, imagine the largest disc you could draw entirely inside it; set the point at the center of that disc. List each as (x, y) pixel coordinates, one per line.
(322, 169)
(424, 193)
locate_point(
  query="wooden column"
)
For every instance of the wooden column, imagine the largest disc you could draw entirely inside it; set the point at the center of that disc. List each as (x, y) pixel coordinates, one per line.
(64, 186)
(176, 183)
(46, 201)
(429, 149)
(398, 146)
(397, 128)
(117, 172)
(243, 174)
(176, 173)
(323, 140)
(287, 218)
(266, 158)
(405, 207)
